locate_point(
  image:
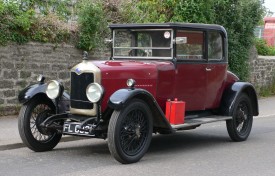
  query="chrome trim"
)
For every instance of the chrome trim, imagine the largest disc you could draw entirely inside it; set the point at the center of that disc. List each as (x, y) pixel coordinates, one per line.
(90, 112)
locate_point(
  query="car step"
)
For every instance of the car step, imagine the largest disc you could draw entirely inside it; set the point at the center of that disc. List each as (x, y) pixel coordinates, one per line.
(191, 122)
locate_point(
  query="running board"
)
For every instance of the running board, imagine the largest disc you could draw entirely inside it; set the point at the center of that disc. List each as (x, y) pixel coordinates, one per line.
(191, 123)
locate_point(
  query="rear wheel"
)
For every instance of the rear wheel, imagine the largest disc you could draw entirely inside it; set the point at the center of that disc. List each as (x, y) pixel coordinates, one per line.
(241, 124)
(130, 132)
(30, 117)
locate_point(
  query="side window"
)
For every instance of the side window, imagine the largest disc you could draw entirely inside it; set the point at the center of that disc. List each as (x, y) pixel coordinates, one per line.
(189, 45)
(215, 46)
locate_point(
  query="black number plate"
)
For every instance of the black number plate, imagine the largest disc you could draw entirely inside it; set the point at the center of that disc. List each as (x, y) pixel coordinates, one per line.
(73, 128)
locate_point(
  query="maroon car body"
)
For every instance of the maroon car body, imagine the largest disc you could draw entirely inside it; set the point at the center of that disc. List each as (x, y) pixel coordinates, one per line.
(125, 98)
(203, 92)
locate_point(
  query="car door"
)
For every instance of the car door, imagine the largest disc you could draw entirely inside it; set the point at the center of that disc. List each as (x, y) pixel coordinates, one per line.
(190, 69)
(216, 69)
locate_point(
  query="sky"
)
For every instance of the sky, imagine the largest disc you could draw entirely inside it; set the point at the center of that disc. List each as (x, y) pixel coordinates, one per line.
(270, 4)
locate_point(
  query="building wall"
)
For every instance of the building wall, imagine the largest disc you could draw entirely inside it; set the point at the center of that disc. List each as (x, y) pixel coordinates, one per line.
(269, 30)
(20, 65)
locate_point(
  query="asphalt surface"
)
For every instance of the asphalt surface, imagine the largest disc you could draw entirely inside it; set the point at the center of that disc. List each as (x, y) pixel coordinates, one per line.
(205, 151)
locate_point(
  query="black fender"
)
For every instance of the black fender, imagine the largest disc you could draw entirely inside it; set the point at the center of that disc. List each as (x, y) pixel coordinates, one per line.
(122, 97)
(29, 92)
(231, 94)
(40, 90)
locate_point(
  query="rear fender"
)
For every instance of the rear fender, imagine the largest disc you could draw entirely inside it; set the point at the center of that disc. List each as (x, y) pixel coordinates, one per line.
(39, 89)
(122, 97)
(231, 94)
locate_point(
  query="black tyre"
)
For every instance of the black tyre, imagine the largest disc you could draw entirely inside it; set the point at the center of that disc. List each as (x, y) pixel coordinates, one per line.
(30, 117)
(130, 132)
(240, 126)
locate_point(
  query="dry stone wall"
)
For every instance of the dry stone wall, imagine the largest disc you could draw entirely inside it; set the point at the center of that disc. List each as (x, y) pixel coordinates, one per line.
(262, 69)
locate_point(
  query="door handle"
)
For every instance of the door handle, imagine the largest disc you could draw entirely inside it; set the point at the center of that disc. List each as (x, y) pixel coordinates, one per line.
(208, 69)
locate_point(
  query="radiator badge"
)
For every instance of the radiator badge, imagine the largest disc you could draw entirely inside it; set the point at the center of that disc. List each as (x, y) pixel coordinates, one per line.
(78, 71)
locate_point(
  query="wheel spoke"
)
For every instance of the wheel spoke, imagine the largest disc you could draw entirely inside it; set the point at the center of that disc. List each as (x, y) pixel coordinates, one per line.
(133, 132)
(36, 113)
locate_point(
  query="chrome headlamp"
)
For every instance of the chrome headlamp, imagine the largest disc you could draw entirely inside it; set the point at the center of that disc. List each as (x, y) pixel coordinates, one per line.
(54, 89)
(94, 92)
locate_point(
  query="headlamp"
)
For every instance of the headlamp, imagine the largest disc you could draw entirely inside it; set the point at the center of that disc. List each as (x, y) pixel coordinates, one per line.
(54, 89)
(94, 92)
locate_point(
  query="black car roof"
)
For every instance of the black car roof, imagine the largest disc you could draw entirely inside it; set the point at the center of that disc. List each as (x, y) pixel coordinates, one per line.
(168, 25)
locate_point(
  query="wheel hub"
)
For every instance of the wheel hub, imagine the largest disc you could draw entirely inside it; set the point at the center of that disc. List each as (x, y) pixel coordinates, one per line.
(137, 131)
(40, 118)
(242, 117)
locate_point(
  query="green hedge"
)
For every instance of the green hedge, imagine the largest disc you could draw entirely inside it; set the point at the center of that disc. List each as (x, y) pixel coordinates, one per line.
(263, 49)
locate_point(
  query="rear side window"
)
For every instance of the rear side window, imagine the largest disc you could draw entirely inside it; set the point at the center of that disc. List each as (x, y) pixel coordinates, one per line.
(189, 45)
(215, 46)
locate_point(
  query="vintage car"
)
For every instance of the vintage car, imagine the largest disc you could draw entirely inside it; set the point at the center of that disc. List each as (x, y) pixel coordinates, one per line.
(160, 78)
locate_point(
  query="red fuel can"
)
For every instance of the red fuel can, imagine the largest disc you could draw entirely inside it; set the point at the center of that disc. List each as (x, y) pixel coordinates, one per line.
(175, 111)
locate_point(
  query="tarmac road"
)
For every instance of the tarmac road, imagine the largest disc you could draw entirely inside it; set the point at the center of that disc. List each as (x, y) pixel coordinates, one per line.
(206, 150)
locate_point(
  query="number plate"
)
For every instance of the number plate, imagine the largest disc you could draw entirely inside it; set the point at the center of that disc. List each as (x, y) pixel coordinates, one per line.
(73, 129)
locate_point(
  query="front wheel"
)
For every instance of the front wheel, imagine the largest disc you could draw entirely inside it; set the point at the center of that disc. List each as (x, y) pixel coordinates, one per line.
(130, 132)
(241, 124)
(30, 117)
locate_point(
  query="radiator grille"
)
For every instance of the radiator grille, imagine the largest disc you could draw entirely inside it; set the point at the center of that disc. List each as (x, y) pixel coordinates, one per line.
(79, 84)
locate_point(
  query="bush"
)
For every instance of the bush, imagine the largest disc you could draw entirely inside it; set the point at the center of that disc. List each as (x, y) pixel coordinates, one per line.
(20, 24)
(263, 48)
(50, 29)
(92, 23)
(14, 23)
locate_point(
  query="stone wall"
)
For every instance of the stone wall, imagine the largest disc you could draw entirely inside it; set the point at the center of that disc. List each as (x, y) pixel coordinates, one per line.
(20, 65)
(262, 69)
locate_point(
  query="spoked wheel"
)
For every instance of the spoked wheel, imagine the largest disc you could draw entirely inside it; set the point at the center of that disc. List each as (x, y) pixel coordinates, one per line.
(30, 117)
(241, 124)
(130, 132)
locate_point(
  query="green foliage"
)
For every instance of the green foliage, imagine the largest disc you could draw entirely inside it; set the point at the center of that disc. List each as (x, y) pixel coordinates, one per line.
(92, 23)
(20, 24)
(58, 7)
(239, 17)
(50, 28)
(263, 48)
(14, 23)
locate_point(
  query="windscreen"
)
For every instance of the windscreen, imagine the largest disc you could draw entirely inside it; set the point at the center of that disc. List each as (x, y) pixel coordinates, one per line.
(142, 44)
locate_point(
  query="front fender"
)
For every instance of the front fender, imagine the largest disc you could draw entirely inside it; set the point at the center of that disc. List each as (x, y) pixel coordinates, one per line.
(122, 97)
(29, 92)
(231, 94)
(40, 90)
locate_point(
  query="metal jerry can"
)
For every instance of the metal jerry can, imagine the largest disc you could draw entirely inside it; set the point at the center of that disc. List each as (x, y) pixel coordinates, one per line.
(175, 111)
